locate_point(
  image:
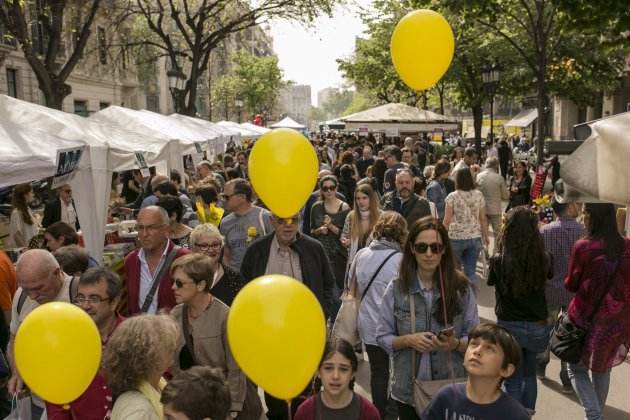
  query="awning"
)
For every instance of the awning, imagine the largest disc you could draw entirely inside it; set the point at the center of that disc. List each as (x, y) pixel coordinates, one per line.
(523, 118)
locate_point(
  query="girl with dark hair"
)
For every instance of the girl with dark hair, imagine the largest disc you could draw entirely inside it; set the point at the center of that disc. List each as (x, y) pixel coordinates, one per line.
(444, 309)
(519, 272)
(465, 219)
(334, 388)
(599, 269)
(520, 184)
(437, 189)
(22, 225)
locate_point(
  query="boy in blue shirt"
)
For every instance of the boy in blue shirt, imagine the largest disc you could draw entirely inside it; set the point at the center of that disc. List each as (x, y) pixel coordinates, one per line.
(491, 356)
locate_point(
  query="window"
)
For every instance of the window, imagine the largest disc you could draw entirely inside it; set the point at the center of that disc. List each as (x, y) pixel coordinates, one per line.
(12, 83)
(153, 103)
(80, 108)
(103, 105)
(102, 45)
(6, 38)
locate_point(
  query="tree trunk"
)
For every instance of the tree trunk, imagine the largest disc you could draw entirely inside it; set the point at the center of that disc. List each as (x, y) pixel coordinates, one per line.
(54, 91)
(477, 111)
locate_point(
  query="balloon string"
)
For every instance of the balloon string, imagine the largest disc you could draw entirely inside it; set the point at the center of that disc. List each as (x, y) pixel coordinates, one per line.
(289, 409)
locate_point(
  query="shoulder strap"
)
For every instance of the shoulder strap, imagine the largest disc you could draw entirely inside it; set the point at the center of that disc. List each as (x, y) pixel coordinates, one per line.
(21, 301)
(72, 293)
(262, 222)
(378, 270)
(156, 281)
(187, 336)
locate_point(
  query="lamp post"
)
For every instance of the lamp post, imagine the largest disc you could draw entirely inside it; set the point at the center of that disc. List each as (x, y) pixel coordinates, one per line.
(176, 81)
(238, 103)
(490, 77)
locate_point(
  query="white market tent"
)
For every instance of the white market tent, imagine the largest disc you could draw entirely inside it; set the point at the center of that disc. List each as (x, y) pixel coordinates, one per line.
(110, 148)
(245, 133)
(223, 134)
(406, 119)
(288, 122)
(523, 119)
(257, 128)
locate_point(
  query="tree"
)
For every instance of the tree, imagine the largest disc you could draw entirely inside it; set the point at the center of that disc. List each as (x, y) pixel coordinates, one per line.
(337, 103)
(561, 58)
(39, 26)
(187, 31)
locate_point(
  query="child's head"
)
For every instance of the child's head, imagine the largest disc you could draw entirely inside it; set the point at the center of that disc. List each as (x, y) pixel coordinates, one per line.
(492, 352)
(197, 393)
(337, 367)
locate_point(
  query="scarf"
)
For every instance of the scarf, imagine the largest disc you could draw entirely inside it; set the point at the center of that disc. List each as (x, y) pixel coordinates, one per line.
(153, 395)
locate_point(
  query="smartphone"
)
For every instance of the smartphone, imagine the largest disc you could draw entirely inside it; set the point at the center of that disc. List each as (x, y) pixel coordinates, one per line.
(446, 332)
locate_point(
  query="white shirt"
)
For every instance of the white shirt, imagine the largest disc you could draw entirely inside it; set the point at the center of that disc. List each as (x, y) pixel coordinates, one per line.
(146, 279)
(68, 214)
(17, 224)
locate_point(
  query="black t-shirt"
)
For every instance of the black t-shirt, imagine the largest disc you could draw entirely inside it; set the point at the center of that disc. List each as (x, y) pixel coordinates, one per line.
(349, 412)
(452, 403)
(532, 307)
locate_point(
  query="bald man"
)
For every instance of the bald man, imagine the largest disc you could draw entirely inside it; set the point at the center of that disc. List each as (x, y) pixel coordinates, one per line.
(40, 280)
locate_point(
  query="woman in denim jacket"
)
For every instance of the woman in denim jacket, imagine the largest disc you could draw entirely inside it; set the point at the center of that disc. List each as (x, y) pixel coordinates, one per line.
(427, 256)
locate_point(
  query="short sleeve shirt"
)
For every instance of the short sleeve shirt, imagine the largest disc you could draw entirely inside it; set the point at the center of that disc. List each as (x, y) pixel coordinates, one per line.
(240, 231)
(467, 206)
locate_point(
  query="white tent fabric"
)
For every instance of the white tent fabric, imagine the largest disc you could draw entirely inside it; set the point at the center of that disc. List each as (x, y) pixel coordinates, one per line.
(257, 128)
(221, 132)
(523, 119)
(395, 113)
(598, 168)
(111, 148)
(28, 154)
(288, 122)
(244, 132)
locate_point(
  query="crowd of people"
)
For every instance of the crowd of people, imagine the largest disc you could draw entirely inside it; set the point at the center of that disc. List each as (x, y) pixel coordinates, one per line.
(405, 224)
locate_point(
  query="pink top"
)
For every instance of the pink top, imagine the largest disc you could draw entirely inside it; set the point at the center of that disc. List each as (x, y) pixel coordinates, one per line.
(589, 276)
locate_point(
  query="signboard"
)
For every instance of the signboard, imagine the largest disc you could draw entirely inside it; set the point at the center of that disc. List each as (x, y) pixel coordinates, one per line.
(198, 155)
(142, 163)
(67, 163)
(392, 132)
(363, 131)
(438, 135)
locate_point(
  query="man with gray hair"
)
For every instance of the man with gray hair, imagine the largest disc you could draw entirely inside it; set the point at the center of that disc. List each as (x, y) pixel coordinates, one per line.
(147, 269)
(492, 186)
(40, 281)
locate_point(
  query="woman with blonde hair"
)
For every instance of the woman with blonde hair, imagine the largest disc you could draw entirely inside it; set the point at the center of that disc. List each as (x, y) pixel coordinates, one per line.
(138, 352)
(360, 221)
(22, 226)
(207, 240)
(202, 321)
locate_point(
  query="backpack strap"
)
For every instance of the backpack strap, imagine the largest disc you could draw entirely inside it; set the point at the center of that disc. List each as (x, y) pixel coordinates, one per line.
(158, 278)
(21, 301)
(73, 290)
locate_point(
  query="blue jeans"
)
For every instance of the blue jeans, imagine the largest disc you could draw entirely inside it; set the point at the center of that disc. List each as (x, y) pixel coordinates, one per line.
(467, 251)
(593, 394)
(533, 338)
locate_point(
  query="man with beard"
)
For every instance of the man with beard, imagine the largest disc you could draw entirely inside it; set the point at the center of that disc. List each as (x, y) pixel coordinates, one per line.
(404, 201)
(98, 295)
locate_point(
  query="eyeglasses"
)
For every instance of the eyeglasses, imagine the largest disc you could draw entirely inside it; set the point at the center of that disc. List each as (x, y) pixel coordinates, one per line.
(330, 188)
(179, 284)
(287, 221)
(226, 197)
(205, 247)
(92, 299)
(152, 228)
(422, 248)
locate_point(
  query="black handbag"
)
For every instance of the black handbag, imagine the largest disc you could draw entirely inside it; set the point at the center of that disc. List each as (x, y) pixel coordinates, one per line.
(567, 339)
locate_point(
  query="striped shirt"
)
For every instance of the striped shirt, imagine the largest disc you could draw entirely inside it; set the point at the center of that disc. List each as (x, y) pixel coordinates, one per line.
(559, 237)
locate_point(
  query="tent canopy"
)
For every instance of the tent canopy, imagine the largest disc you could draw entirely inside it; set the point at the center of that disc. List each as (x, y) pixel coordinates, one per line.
(523, 119)
(243, 131)
(395, 113)
(288, 122)
(224, 135)
(257, 128)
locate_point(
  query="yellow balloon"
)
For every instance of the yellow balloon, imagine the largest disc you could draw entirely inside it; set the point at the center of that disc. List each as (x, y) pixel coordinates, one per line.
(58, 351)
(277, 332)
(422, 48)
(283, 169)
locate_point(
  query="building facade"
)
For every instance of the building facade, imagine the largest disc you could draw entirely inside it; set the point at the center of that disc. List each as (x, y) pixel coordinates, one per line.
(325, 94)
(295, 102)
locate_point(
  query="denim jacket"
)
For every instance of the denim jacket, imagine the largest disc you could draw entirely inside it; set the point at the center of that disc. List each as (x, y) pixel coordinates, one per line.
(396, 321)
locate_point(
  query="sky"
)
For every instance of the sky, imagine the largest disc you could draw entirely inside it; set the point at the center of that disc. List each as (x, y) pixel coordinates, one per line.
(307, 55)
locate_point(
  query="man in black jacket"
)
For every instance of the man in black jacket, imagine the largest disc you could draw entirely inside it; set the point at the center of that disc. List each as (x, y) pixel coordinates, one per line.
(404, 201)
(62, 209)
(287, 252)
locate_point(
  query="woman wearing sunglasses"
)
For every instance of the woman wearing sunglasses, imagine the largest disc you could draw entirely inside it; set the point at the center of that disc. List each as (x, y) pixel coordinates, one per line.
(226, 283)
(428, 277)
(202, 322)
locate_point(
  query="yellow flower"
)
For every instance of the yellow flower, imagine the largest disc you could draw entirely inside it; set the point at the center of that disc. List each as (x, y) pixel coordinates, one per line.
(251, 231)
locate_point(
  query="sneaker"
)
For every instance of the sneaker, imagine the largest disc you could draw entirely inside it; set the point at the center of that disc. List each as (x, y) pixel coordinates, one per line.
(540, 371)
(567, 389)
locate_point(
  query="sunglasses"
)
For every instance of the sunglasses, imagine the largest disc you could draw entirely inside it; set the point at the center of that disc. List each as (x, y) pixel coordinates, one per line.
(331, 188)
(422, 248)
(179, 284)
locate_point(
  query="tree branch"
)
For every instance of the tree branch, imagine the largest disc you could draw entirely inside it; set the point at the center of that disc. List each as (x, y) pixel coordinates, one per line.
(83, 39)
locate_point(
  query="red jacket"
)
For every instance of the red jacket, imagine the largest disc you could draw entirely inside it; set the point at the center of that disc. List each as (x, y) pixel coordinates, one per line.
(164, 294)
(94, 404)
(367, 411)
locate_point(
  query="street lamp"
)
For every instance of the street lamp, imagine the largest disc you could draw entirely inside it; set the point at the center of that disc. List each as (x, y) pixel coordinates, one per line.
(490, 78)
(176, 81)
(238, 103)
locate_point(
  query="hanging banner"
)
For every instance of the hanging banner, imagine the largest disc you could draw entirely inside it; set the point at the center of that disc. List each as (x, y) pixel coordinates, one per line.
(438, 135)
(67, 164)
(539, 182)
(198, 155)
(363, 131)
(392, 132)
(142, 164)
